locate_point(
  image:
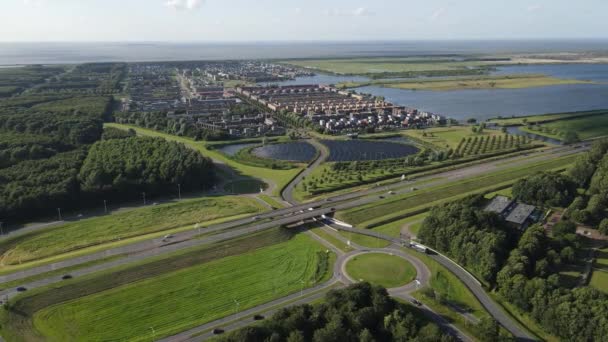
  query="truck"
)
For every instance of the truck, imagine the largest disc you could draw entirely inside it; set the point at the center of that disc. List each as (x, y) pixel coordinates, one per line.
(420, 248)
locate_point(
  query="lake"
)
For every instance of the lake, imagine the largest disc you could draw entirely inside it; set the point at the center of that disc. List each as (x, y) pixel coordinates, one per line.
(488, 103)
(354, 150)
(294, 151)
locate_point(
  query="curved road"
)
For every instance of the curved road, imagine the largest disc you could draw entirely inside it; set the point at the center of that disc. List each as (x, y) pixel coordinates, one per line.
(287, 193)
(468, 279)
(145, 249)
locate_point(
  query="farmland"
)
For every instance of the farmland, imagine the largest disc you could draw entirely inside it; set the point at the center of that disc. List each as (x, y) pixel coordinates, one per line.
(477, 82)
(449, 137)
(385, 270)
(399, 66)
(331, 177)
(122, 225)
(195, 287)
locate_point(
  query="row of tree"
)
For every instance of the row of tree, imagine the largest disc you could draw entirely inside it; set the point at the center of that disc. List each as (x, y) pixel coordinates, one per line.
(159, 121)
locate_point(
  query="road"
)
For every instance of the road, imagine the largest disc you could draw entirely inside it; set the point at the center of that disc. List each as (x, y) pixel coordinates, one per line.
(339, 277)
(298, 213)
(468, 279)
(287, 193)
(277, 217)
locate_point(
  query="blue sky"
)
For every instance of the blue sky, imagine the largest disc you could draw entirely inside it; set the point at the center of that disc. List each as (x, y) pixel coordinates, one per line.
(277, 20)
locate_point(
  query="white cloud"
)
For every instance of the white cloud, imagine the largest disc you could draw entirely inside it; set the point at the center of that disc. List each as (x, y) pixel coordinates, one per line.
(32, 2)
(534, 8)
(438, 13)
(184, 4)
(357, 12)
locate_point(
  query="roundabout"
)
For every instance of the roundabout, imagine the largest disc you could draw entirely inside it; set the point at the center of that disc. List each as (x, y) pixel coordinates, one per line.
(386, 270)
(400, 272)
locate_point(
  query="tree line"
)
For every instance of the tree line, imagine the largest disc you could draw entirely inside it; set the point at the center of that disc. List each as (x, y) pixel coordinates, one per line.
(360, 312)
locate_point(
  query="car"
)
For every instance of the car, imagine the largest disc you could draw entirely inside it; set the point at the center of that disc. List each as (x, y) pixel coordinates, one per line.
(311, 209)
(414, 189)
(67, 276)
(21, 289)
(169, 236)
(333, 209)
(328, 200)
(415, 302)
(258, 317)
(381, 197)
(391, 192)
(255, 218)
(218, 331)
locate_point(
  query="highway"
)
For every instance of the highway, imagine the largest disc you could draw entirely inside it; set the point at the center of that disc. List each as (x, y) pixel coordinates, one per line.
(287, 215)
(298, 213)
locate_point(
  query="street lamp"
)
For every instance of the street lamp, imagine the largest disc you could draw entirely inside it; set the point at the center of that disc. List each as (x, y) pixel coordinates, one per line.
(105, 206)
(59, 213)
(144, 195)
(153, 333)
(236, 306)
(301, 288)
(179, 191)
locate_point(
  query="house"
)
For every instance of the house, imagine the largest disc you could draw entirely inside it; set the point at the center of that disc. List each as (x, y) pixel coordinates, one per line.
(499, 205)
(520, 215)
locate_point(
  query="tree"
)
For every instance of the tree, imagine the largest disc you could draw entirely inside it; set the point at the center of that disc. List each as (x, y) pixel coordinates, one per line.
(603, 228)
(545, 188)
(570, 137)
(564, 228)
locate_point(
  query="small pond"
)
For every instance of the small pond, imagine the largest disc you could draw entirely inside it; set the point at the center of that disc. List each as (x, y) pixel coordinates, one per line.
(231, 150)
(292, 151)
(353, 150)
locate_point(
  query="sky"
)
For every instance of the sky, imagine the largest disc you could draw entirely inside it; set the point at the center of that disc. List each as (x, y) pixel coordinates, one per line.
(298, 20)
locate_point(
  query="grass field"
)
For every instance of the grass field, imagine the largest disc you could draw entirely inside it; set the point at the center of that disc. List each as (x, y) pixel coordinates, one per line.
(332, 239)
(189, 291)
(381, 269)
(387, 65)
(367, 214)
(523, 120)
(271, 201)
(122, 225)
(277, 179)
(394, 228)
(586, 127)
(476, 82)
(599, 279)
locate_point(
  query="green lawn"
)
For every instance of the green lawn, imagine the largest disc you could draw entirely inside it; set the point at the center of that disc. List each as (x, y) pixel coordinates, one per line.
(179, 300)
(369, 214)
(599, 279)
(586, 127)
(394, 228)
(278, 178)
(381, 269)
(122, 225)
